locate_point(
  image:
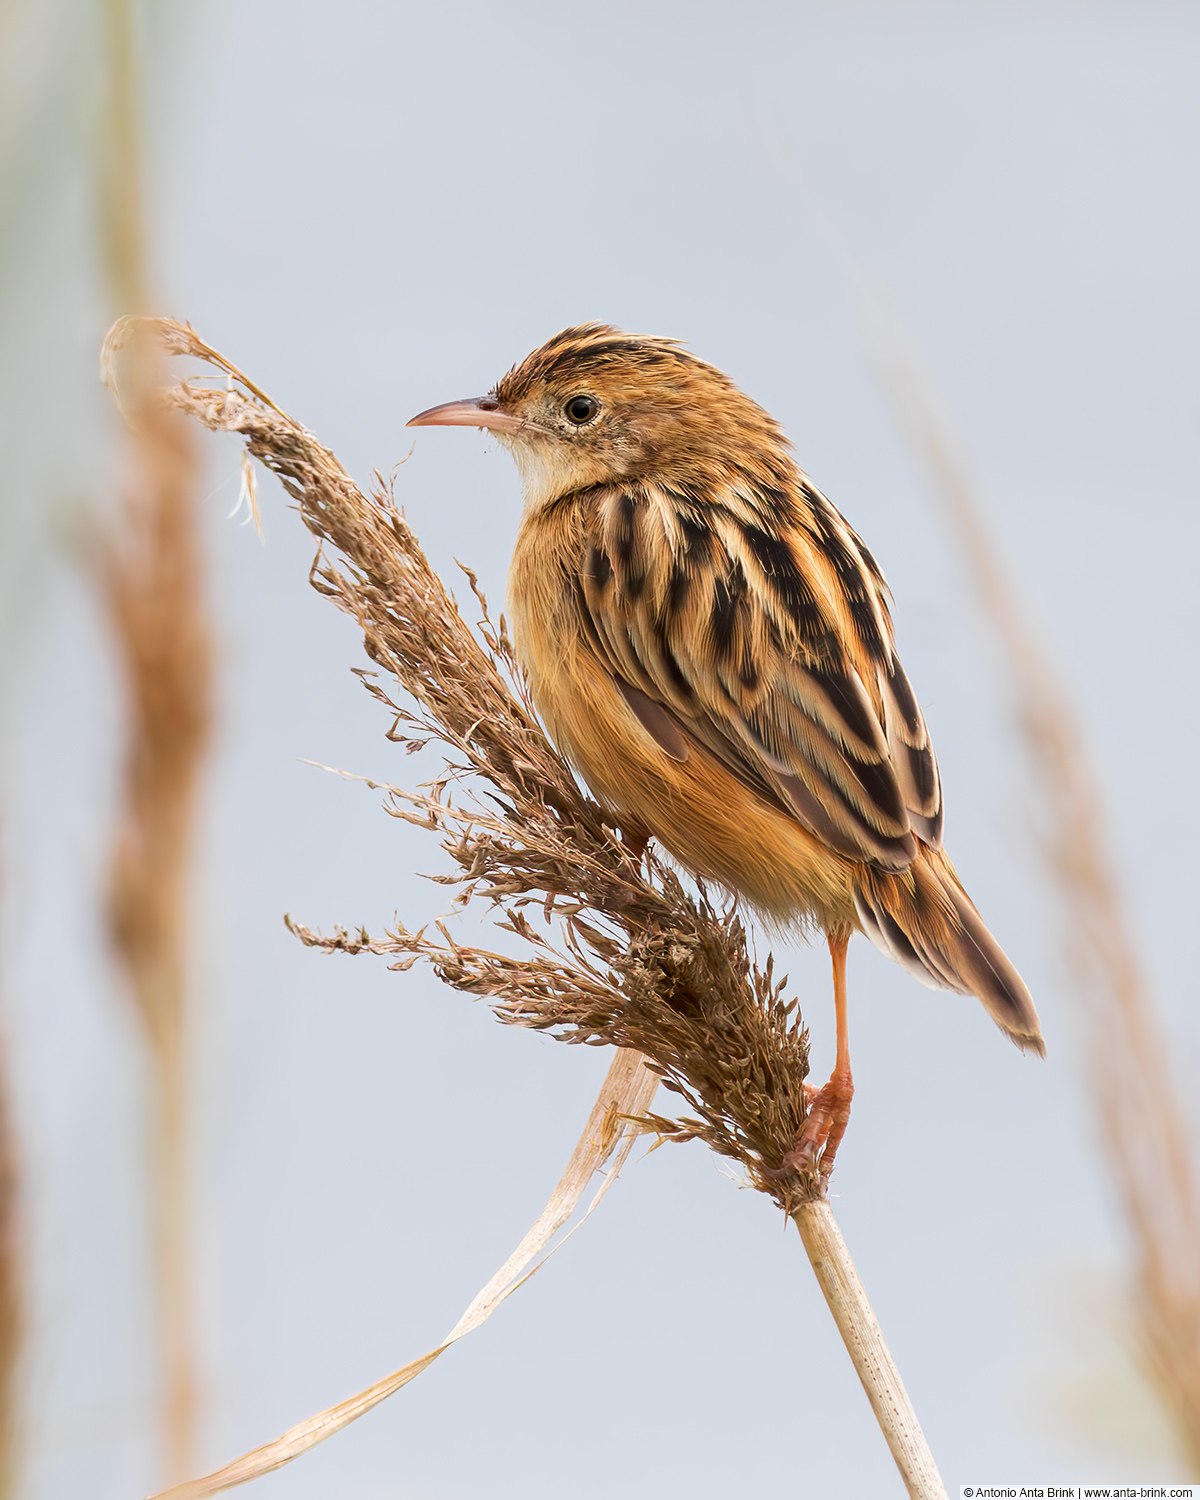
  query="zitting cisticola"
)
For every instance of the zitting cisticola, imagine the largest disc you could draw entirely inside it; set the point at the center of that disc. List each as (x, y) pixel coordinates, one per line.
(710, 644)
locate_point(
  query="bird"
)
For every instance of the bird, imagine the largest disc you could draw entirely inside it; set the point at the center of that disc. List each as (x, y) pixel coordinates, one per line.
(710, 644)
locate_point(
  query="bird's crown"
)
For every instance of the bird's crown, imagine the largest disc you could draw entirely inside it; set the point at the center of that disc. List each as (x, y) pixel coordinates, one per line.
(593, 349)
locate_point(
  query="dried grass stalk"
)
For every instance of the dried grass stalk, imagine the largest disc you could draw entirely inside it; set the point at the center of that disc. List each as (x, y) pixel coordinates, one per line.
(611, 1128)
(150, 573)
(614, 950)
(12, 1285)
(860, 1333)
(1145, 1141)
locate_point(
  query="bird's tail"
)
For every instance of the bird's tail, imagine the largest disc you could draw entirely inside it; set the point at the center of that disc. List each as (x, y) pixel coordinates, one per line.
(924, 919)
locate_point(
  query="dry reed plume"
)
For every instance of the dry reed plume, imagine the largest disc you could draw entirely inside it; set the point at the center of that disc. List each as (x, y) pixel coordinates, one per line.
(1142, 1129)
(614, 949)
(150, 574)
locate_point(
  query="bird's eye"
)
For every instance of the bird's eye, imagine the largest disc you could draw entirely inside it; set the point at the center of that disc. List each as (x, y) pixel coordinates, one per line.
(581, 409)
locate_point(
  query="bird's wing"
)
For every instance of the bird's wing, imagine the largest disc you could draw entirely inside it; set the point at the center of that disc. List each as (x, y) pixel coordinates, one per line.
(771, 647)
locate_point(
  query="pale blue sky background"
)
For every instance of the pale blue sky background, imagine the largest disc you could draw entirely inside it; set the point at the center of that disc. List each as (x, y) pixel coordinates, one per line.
(373, 208)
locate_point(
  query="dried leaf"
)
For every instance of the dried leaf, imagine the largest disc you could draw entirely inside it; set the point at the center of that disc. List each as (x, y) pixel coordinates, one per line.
(613, 1126)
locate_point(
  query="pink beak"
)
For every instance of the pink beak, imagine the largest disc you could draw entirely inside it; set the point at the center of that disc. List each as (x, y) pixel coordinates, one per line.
(483, 411)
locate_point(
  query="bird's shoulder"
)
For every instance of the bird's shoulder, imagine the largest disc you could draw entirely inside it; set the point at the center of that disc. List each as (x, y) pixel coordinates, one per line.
(770, 547)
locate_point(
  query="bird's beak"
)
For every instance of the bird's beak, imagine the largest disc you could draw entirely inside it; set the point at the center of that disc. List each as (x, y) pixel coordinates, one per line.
(483, 411)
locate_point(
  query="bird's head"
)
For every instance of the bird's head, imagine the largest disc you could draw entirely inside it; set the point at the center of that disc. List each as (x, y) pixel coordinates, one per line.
(595, 406)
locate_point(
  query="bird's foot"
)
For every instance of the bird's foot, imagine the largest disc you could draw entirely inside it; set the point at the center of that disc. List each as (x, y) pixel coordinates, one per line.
(824, 1126)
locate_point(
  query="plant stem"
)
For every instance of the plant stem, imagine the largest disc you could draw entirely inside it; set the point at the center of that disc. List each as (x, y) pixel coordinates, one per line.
(863, 1338)
(170, 1179)
(12, 1313)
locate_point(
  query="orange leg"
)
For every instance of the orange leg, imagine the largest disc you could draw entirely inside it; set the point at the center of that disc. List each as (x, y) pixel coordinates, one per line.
(636, 840)
(829, 1107)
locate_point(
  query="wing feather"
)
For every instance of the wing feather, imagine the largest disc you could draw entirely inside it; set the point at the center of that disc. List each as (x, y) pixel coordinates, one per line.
(771, 648)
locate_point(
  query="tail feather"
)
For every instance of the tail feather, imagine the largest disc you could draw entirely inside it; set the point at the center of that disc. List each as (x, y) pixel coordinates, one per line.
(922, 918)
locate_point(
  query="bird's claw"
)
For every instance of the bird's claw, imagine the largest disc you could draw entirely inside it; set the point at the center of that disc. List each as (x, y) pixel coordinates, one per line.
(825, 1125)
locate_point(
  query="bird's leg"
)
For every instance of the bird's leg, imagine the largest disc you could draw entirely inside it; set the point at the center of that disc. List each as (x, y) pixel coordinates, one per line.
(635, 840)
(829, 1106)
